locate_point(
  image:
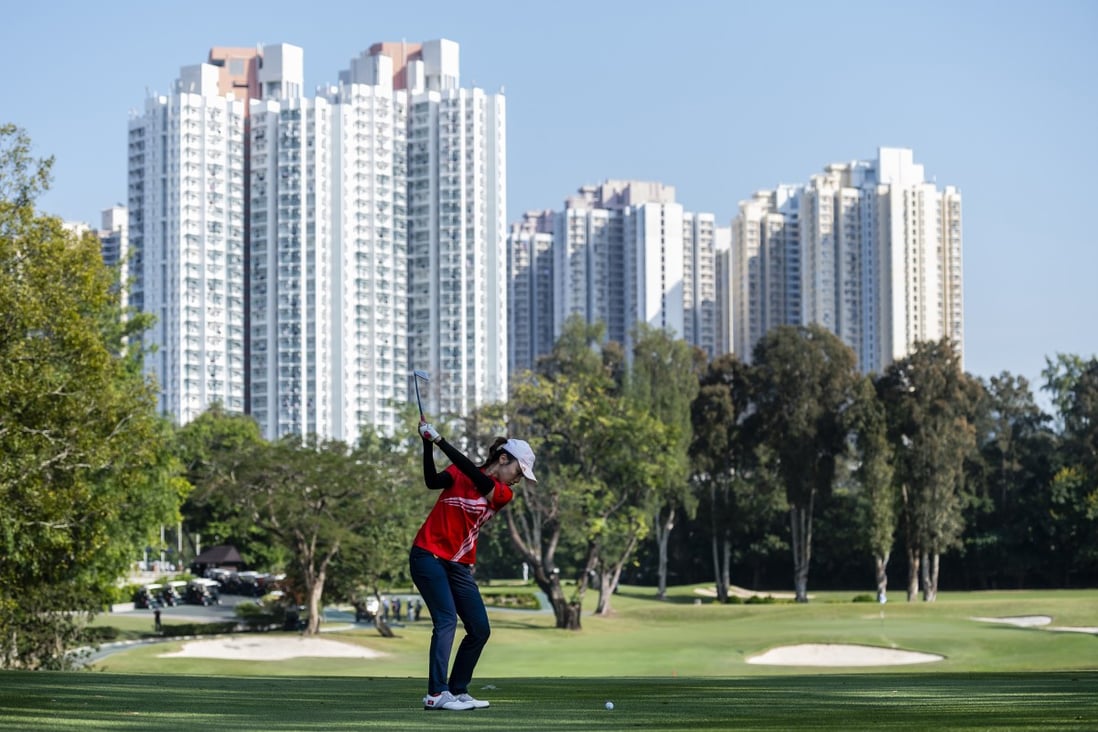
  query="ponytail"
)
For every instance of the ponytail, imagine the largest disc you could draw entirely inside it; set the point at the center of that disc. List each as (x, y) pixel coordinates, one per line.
(494, 451)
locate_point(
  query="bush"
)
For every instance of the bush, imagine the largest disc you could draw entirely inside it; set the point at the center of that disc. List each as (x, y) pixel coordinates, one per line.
(260, 617)
(524, 601)
(95, 635)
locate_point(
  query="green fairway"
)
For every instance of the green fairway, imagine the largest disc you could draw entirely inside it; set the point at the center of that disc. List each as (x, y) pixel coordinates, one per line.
(681, 663)
(888, 701)
(647, 637)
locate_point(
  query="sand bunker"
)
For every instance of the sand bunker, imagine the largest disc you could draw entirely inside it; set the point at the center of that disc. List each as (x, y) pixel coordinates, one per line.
(1022, 621)
(734, 591)
(835, 654)
(1034, 621)
(270, 648)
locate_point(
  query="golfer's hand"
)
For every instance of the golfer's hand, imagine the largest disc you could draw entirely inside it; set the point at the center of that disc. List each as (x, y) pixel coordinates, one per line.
(428, 432)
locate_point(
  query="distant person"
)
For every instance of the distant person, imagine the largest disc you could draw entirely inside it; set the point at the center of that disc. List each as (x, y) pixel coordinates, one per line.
(444, 551)
(156, 621)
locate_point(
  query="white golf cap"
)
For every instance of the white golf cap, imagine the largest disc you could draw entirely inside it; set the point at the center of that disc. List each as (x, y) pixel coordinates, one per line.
(520, 450)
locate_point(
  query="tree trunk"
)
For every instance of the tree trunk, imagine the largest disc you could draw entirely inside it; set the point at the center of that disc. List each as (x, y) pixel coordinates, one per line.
(800, 519)
(930, 589)
(722, 553)
(881, 562)
(555, 593)
(924, 572)
(663, 534)
(549, 583)
(572, 616)
(539, 555)
(912, 574)
(608, 580)
(382, 626)
(602, 607)
(316, 590)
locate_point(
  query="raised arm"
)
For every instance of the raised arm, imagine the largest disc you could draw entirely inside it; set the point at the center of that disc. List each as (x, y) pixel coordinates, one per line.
(432, 478)
(484, 484)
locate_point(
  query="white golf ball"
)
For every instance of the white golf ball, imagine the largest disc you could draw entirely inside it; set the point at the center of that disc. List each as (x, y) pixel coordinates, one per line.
(609, 706)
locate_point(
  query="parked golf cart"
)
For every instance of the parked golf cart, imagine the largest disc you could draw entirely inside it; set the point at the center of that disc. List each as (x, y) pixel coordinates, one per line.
(366, 609)
(202, 591)
(148, 597)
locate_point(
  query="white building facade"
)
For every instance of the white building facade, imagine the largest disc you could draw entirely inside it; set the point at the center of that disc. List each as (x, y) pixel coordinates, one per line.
(299, 273)
(457, 237)
(870, 250)
(619, 253)
(186, 207)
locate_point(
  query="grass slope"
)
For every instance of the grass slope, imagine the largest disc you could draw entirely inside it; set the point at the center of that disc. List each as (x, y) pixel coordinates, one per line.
(667, 665)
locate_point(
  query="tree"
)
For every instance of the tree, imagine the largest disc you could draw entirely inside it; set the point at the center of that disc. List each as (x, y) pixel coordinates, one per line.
(398, 503)
(311, 497)
(663, 382)
(874, 475)
(802, 382)
(1005, 530)
(930, 403)
(205, 445)
(599, 459)
(86, 474)
(1073, 384)
(734, 494)
(637, 462)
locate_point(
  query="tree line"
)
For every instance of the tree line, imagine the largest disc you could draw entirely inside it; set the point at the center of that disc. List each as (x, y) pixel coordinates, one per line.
(656, 466)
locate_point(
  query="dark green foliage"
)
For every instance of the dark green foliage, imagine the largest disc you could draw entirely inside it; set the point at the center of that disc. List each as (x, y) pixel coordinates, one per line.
(85, 470)
(802, 384)
(932, 407)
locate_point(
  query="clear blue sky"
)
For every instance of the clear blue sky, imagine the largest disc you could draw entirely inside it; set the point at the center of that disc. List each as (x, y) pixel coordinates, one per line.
(717, 98)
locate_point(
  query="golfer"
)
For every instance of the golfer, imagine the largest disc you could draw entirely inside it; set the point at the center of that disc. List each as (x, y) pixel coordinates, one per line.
(445, 549)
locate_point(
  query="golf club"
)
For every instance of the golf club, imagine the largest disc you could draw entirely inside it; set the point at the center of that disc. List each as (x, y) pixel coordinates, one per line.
(417, 375)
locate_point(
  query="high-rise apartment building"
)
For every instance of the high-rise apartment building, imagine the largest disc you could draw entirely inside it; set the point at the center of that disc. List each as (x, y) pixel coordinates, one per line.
(114, 242)
(620, 253)
(722, 273)
(456, 209)
(328, 262)
(302, 254)
(186, 203)
(869, 250)
(530, 329)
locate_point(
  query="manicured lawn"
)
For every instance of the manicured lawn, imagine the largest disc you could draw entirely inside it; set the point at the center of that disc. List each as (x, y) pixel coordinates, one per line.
(674, 664)
(646, 637)
(53, 702)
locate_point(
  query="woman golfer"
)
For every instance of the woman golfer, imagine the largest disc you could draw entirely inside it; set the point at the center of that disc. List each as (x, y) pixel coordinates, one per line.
(445, 549)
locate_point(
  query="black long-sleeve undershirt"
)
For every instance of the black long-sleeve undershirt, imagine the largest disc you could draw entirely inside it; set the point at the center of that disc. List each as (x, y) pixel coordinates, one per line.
(436, 480)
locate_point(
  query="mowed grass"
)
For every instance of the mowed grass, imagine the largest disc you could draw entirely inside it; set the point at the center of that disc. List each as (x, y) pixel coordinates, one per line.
(673, 664)
(886, 701)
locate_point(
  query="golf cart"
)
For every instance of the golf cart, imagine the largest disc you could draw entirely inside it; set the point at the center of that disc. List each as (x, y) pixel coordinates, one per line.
(202, 591)
(148, 597)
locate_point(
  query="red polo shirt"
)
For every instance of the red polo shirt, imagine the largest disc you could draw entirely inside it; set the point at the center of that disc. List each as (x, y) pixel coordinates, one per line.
(451, 529)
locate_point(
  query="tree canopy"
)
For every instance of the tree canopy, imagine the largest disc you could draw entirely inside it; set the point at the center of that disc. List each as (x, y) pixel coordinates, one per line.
(86, 473)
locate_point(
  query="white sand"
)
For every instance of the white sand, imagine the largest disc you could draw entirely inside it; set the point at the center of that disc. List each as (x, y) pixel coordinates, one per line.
(1022, 621)
(742, 593)
(1033, 621)
(270, 648)
(837, 654)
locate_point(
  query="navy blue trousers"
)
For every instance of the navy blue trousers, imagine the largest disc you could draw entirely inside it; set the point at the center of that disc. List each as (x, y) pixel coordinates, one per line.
(449, 592)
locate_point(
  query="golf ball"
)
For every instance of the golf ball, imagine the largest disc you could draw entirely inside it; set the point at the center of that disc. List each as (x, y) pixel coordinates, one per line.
(609, 706)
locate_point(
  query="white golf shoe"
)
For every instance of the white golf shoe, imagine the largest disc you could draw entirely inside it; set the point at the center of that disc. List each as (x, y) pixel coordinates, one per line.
(447, 701)
(477, 703)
